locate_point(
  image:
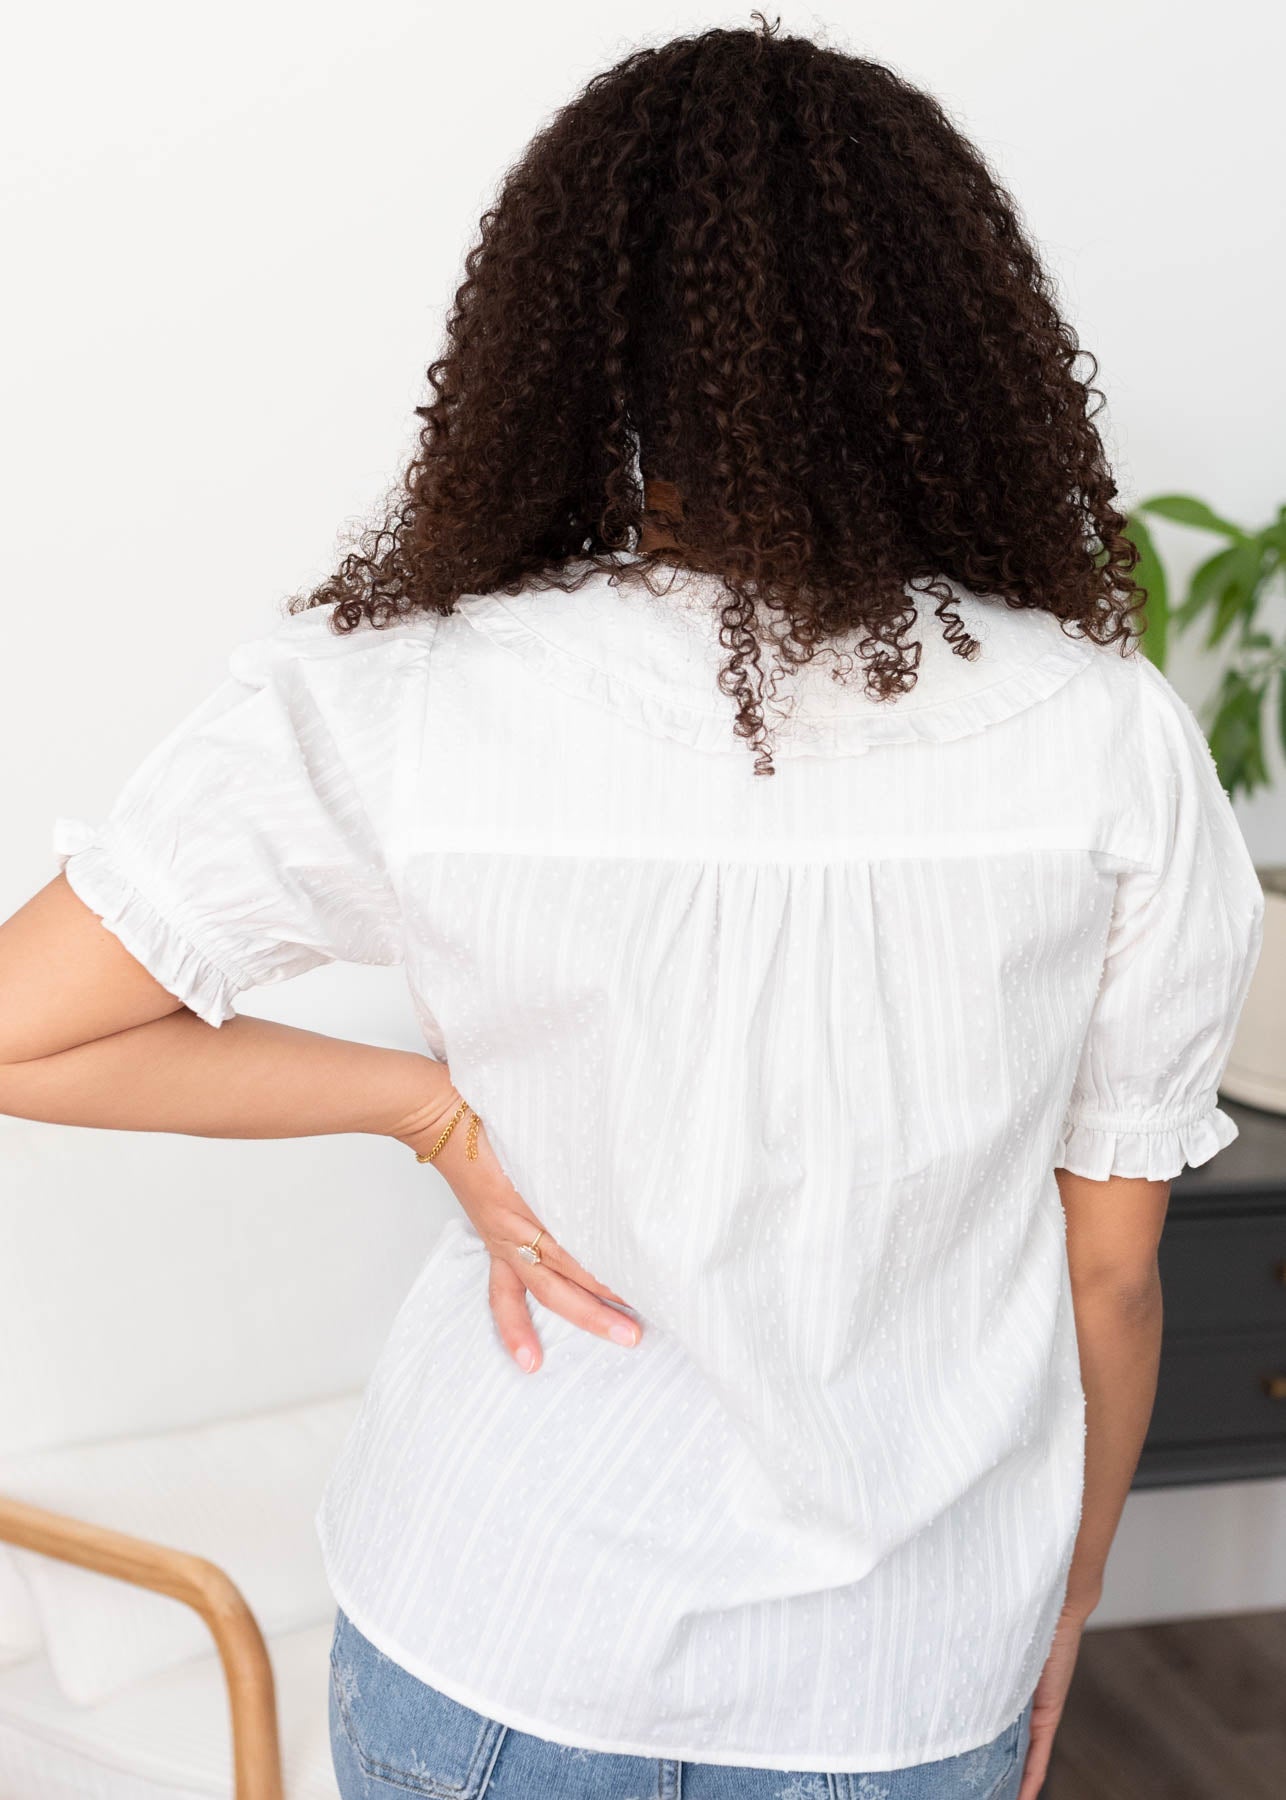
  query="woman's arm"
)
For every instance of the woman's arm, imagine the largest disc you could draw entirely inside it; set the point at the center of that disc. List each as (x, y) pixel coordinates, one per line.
(88, 1037)
(1113, 1229)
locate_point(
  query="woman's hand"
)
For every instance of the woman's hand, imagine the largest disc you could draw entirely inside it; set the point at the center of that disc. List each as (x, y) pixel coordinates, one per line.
(1051, 1696)
(503, 1220)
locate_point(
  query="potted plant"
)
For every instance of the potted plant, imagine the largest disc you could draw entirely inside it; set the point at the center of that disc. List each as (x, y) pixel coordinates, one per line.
(1225, 594)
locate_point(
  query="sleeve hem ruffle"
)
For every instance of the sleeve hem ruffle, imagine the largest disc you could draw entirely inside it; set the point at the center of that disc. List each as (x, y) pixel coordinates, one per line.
(1144, 1152)
(202, 986)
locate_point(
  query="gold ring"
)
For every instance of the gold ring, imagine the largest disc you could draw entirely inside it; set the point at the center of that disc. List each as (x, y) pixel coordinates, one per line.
(529, 1252)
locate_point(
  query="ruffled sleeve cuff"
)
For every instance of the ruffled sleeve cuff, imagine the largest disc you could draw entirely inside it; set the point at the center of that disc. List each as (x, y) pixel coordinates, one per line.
(92, 874)
(1099, 1145)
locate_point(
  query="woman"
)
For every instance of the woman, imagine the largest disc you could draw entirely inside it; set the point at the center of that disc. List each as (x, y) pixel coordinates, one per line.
(828, 932)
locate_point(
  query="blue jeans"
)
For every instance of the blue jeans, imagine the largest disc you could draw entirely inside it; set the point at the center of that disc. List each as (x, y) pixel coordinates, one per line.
(392, 1736)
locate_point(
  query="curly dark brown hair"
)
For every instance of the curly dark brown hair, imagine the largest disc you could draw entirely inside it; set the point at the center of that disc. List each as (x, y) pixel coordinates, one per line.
(779, 277)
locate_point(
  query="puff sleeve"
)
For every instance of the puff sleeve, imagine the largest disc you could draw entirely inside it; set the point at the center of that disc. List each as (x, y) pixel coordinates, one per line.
(1182, 946)
(249, 845)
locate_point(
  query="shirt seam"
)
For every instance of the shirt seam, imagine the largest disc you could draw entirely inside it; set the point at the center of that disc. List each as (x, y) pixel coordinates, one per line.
(413, 840)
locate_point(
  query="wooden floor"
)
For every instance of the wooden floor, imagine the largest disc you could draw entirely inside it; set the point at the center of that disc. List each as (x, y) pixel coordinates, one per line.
(1192, 1710)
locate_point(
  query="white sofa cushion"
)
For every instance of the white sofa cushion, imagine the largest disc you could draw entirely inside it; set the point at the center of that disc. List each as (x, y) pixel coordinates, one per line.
(242, 1493)
(19, 1622)
(163, 1739)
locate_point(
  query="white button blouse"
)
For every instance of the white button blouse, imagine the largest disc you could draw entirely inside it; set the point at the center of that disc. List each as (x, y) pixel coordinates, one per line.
(788, 1062)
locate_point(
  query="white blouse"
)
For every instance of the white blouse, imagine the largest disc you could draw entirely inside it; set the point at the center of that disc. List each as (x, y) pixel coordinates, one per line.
(788, 1062)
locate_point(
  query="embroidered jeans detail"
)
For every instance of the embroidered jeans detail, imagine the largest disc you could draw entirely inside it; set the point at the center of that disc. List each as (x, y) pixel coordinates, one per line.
(393, 1734)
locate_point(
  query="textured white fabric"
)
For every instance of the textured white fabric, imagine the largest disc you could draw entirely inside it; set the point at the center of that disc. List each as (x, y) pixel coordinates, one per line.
(163, 1739)
(786, 1061)
(242, 1493)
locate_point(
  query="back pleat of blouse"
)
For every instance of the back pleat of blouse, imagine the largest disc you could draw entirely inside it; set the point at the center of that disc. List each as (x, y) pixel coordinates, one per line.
(788, 1062)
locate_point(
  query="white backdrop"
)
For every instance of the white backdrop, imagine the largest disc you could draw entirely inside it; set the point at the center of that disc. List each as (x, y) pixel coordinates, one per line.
(232, 234)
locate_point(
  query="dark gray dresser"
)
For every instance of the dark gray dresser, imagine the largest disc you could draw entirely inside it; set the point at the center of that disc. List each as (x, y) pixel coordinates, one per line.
(1220, 1411)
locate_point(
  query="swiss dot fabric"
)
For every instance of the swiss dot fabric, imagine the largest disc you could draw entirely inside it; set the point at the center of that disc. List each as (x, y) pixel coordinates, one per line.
(786, 1061)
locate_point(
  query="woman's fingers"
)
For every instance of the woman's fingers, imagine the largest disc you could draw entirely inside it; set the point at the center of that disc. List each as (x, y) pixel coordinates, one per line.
(508, 1296)
(504, 1222)
(509, 1285)
(563, 1262)
(1036, 1766)
(571, 1301)
(498, 1212)
(521, 1228)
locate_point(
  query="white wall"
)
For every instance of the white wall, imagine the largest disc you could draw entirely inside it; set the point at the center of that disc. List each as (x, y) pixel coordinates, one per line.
(232, 232)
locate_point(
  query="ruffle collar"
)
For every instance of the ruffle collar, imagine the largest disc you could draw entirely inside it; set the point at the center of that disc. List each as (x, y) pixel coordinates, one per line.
(654, 660)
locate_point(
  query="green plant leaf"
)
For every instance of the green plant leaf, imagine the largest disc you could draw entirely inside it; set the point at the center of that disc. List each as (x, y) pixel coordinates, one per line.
(1238, 599)
(1149, 574)
(1236, 734)
(1184, 509)
(1205, 585)
(1273, 540)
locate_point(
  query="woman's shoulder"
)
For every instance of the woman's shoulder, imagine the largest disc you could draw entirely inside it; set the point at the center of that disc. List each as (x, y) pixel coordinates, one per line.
(1165, 731)
(1119, 684)
(636, 652)
(310, 638)
(348, 695)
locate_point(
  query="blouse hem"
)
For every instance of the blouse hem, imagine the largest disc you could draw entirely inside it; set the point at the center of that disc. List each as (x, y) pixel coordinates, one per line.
(1142, 1152)
(169, 958)
(793, 1762)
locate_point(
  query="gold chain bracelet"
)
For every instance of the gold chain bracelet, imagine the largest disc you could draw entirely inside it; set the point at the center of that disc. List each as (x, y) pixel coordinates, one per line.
(458, 1114)
(471, 1136)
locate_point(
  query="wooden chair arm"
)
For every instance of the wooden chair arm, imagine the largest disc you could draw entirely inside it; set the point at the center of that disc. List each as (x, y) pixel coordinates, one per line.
(204, 1587)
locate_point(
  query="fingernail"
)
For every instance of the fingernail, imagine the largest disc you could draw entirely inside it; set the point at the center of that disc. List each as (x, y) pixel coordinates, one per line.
(525, 1358)
(623, 1334)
